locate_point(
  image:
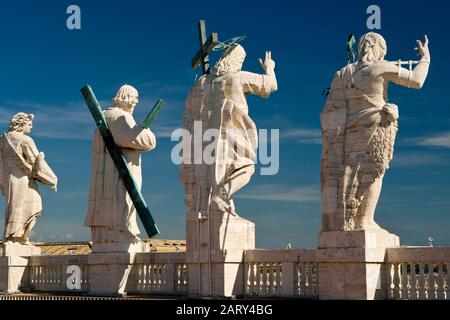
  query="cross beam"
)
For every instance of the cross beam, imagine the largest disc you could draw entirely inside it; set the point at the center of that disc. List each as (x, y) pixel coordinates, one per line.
(119, 161)
(206, 46)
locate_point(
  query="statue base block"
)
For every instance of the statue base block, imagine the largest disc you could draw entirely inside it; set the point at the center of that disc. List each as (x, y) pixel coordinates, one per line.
(109, 247)
(20, 250)
(13, 273)
(352, 264)
(109, 273)
(376, 238)
(215, 254)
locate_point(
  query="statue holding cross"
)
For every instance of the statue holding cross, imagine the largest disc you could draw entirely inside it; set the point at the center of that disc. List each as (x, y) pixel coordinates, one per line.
(114, 197)
(218, 101)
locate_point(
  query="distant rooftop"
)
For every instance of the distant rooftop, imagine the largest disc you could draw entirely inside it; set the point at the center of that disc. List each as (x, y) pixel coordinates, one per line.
(84, 247)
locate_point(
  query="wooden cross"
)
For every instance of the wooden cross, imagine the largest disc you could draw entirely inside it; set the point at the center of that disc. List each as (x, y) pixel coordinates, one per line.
(119, 161)
(206, 46)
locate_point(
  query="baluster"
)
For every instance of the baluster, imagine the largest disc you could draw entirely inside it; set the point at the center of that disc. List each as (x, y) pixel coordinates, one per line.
(422, 282)
(404, 281)
(54, 273)
(52, 276)
(44, 277)
(248, 278)
(150, 277)
(396, 281)
(164, 276)
(258, 279)
(297, 276)
(180, 277)
(303, 279)
(38, 276)
(431, 282)
(61, 276)
(308, 279)
(159, 275)
(140, 281)
(440, 289)
(278, 279)
(184, 273)
(255, 278)
(313, 279)
(271, 280)
(413, 291)
(264, 278)
(155, 275)
(447, 281)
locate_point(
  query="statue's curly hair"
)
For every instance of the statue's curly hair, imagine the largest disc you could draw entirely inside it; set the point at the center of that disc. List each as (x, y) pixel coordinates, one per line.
(372, 47)
(19, 120)
(125, 94)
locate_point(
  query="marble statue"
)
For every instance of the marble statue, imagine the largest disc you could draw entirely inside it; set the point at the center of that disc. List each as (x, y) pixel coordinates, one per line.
(21, 167)
(218, 102)
(359, 130)
(111, 214)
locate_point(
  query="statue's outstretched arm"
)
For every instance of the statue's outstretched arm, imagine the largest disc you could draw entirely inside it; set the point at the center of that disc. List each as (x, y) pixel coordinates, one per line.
(416, 77)
(260, 84)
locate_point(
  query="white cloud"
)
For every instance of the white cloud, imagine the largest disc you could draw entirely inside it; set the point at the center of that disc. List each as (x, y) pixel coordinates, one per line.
(272, 192)
(302, 136)
(69, 121)
(418, 159)
(67, 236)
(441, 140)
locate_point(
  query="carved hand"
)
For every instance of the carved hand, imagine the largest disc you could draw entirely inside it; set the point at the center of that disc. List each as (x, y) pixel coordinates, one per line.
(422, 48)
(268, 65)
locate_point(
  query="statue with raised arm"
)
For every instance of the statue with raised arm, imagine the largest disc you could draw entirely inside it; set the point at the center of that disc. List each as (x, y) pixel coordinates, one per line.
(21, 167)
(217, 103)
(359, 129)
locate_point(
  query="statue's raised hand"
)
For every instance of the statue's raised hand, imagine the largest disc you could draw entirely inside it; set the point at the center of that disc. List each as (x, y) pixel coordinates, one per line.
(422, 48)
(268, 65)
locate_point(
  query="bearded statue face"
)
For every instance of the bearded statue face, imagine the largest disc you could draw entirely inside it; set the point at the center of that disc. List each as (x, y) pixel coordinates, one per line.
(231, 61)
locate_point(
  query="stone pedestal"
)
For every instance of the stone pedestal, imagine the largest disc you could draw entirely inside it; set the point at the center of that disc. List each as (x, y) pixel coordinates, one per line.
(13, 273)
(215, 252)
(351, 264)
(13, 266)
(20, 250)
(109, 273)
(110, 265)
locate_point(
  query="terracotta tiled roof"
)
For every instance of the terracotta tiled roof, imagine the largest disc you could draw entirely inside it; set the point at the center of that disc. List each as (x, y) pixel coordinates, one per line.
(84, 247)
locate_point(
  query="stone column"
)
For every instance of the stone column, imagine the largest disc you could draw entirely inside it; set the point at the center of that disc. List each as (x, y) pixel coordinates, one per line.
(352, 264)
(215, 253)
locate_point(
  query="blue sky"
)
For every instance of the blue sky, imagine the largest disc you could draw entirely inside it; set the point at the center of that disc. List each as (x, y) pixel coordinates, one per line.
(149, 44)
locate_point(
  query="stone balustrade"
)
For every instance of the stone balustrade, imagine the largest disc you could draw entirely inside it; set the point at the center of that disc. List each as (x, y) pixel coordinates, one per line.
(52, 273)
(288, 273)
(419, 273)
(162, 273)
(413, 273)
